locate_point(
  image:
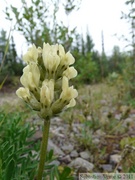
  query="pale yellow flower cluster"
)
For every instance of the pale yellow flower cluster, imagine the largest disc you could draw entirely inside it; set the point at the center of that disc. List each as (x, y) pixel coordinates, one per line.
(46, 80)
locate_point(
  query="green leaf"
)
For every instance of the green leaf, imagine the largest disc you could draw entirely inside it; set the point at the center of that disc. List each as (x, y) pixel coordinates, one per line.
(65, 173)
(132, 169)
(54, 173)
(50, 154)
(10, 170)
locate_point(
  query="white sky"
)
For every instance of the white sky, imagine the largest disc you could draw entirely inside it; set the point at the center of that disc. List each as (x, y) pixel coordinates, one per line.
(98, 15)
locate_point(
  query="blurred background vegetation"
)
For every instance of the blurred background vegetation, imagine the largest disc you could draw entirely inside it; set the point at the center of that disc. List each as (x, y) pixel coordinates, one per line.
(38, 23)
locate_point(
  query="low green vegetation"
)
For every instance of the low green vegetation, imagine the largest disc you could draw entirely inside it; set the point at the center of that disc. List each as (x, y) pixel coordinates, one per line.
(19, 153)
(102, 113)
(96, 113)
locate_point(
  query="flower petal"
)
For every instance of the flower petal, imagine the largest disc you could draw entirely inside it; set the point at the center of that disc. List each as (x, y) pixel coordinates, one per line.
(69, 58)
(72, 103)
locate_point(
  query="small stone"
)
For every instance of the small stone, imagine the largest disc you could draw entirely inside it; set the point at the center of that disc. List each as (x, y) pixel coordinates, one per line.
(115, 159)
(55, 162)
(57, 150)
(95, 141)
(37, 136)
(118, 116)
(107, 167)
(85, 155)
(74, 154)
(79, 162)
(67, 148)
(66, 159)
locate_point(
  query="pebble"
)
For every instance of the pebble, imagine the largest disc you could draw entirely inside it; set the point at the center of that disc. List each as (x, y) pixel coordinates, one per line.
(67, 148)
(96, 141)
(80, 162)
(74, 154)
(85, 155)
(66, 159)
(115, 159)
(57, 150)
(55, 162)
(107, 167)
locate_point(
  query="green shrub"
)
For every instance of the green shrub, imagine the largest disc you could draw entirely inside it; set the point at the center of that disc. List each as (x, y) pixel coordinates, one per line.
(87, 70)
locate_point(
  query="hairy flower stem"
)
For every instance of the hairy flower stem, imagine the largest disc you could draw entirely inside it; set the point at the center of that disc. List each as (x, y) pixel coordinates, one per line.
(43, 150)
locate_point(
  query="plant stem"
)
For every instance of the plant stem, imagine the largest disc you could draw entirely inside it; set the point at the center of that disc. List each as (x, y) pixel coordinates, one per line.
(43, 149)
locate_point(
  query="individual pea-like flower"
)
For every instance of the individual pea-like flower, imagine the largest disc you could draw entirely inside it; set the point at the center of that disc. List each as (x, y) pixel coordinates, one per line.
(50, 57)
(68, 93)
(23, 93)
(46, 80)
(31, 55)
(70, 72)
(66, 58)
(67, 97)
(47, 92)
(31, 76)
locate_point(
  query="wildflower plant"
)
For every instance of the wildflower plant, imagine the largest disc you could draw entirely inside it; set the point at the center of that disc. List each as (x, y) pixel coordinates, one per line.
(46, 86)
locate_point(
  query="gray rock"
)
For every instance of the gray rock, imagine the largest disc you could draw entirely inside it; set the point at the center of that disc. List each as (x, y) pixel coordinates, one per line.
(118, 116)
(74, 154)
(115, 159)
(95, 141)
(85, 155)
(55, 162)
(37, 136)
(107, 167)
(79, 162)
(57, 150)
(67, 148)
(57, 132)
(66, 159)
